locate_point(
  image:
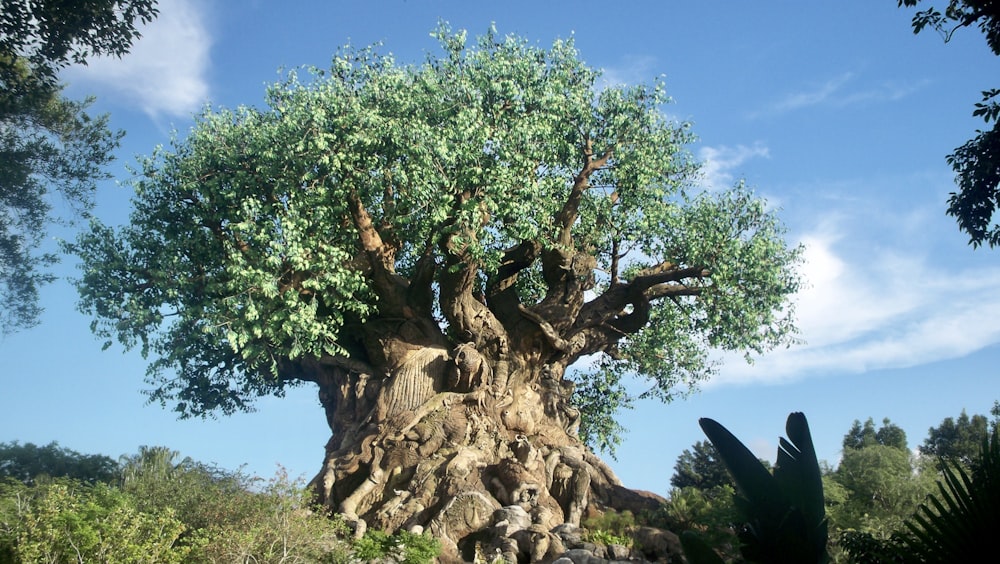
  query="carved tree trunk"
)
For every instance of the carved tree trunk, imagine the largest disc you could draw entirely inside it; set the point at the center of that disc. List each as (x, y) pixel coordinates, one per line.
(467, 432)
(474, 447)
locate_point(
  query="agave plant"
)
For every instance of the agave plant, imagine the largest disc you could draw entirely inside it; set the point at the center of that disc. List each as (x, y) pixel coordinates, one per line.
(783, 512)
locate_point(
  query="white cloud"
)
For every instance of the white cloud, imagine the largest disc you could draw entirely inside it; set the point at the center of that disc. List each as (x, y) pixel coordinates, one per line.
(164, 73)
(840, 91)
(889, 309)
(719, 162)
(633, 70)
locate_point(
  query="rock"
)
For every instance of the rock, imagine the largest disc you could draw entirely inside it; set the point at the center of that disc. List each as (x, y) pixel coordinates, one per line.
(571, 535)
(580, 556)
(510, 519)
(617, 552)
(657, 545)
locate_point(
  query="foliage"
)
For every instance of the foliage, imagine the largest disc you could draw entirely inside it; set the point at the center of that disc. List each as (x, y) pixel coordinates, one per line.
(403, 547)
(50, 35)
(884, 485)
(955, 524)
(783, 512)
(201, 495)
(600, 397)
(611, 527)
(977, 162)
(28, 462)
(866, 548)
(958, 524)
(958, 441)
(490, 193)
(711, 513)
(279, 526)
(68, 521)
(47, 141)
(888, 434)
(700, 468)
(166, 509)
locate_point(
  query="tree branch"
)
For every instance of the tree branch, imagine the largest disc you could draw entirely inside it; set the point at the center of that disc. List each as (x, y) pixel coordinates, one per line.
(551, 335)
(501, 290)
(571, 208)
(606, 313)
(381, 259)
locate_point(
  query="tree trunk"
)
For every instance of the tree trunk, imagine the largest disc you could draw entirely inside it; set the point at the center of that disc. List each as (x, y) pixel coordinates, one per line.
(474, 448)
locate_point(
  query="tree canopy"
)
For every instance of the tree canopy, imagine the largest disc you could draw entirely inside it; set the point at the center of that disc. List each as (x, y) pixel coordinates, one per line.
(700, 467)
(861, 436)
(28, 462)
(977, 162)
(493, 195)
(958, 440)
(47, 141)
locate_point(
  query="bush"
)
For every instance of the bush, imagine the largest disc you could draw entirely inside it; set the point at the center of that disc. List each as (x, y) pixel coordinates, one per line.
(611, 528)
(403, 548)
(70, 521)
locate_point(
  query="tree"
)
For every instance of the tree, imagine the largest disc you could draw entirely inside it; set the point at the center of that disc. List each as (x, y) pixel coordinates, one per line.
(958, 441)
(701, 468)
(26, 463)
(46, 140)
(878, 483)
(889, 435)
(884, 486)
(955, 523)
(977, 162)
(434, 246)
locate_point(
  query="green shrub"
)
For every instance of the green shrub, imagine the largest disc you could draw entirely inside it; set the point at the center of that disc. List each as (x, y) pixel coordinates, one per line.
(611, 528)
(404, 548)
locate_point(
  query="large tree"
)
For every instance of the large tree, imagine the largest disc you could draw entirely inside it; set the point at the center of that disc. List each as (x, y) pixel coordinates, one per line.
(47, 141)
(957, 440)
(703, 468)
(861, 436)
(434, 246)
(977, 162)
(878, 483)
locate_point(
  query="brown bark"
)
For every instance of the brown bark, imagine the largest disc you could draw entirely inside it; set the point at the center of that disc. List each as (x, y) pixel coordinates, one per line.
(468, 432)
(444, 438)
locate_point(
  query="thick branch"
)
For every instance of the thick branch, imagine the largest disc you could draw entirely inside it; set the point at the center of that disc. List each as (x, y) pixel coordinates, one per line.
(550, 333)
(501, 291)
(560, 265)
(311, 369)
(606, 313)
(420, 293)
(462, 301)
(381, 258)
(571, 208)
(464, 311)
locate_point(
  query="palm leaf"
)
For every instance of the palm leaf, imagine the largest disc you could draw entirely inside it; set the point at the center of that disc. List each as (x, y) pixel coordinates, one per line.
(697, 551)
(958, 524)
(784, 512)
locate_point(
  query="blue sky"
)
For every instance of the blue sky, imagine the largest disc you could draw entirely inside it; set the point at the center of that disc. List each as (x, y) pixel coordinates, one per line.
(835, 112)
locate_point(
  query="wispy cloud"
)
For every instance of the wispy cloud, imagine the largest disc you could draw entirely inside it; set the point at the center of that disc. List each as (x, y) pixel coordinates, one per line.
(840, 91)
(165, 72)
(718, 163)
(632, 70)
(887, 305)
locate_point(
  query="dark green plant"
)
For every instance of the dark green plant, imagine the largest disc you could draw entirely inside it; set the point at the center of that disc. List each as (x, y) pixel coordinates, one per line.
(959, 523)
(25, 463)
(783, 513)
